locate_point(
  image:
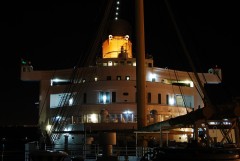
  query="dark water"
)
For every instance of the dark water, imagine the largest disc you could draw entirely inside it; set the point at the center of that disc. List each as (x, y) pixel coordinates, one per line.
(13, 140)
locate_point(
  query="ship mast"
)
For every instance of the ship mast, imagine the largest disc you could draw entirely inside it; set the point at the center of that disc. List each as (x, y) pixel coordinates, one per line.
(140, 67)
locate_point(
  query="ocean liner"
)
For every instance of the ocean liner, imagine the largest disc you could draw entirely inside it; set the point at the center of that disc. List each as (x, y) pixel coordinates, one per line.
(99, 104)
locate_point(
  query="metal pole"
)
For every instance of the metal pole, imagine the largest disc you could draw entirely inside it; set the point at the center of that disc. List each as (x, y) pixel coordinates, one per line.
(160, 136)
(85, 141)
(136, 144)
(140, 67)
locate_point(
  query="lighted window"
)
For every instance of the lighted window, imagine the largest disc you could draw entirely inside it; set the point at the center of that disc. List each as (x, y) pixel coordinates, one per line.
(170, 100)
(110, 63)
(127, 77)
(118, 77)
(104, 97)
(48, 127)
(134, 63)
(127, 116)
(57, 100)
(92, 118)
(179, 100)
(95, 79)
(56, 81)
(185, 101)
(70, 101)
(153, 77)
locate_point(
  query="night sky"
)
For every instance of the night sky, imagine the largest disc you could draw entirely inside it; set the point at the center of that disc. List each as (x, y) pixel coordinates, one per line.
(55, 35)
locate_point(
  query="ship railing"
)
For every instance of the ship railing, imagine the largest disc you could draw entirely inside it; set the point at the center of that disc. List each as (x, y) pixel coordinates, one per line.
(94, 151)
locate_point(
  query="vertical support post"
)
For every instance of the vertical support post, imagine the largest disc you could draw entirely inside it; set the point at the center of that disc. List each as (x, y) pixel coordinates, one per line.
(66, 142)
(136, 144)
(140, 67)
(161, 144)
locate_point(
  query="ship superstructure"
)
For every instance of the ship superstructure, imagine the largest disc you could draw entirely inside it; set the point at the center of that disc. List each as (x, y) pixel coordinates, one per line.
(125, 100)
(103, 96)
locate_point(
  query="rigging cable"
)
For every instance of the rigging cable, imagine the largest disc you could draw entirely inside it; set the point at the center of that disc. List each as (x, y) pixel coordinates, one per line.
(172, 87)
(77, 75)
(100, 32)
(206, 98)
(195, 85)
(180, 89)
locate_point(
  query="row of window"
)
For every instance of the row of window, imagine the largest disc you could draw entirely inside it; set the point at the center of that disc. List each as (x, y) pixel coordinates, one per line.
(117, 63)
(55, 82)
(66, 82)
(110, 118)
(107, 97)
(122, 62)
(119, 77)
(179, 100)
